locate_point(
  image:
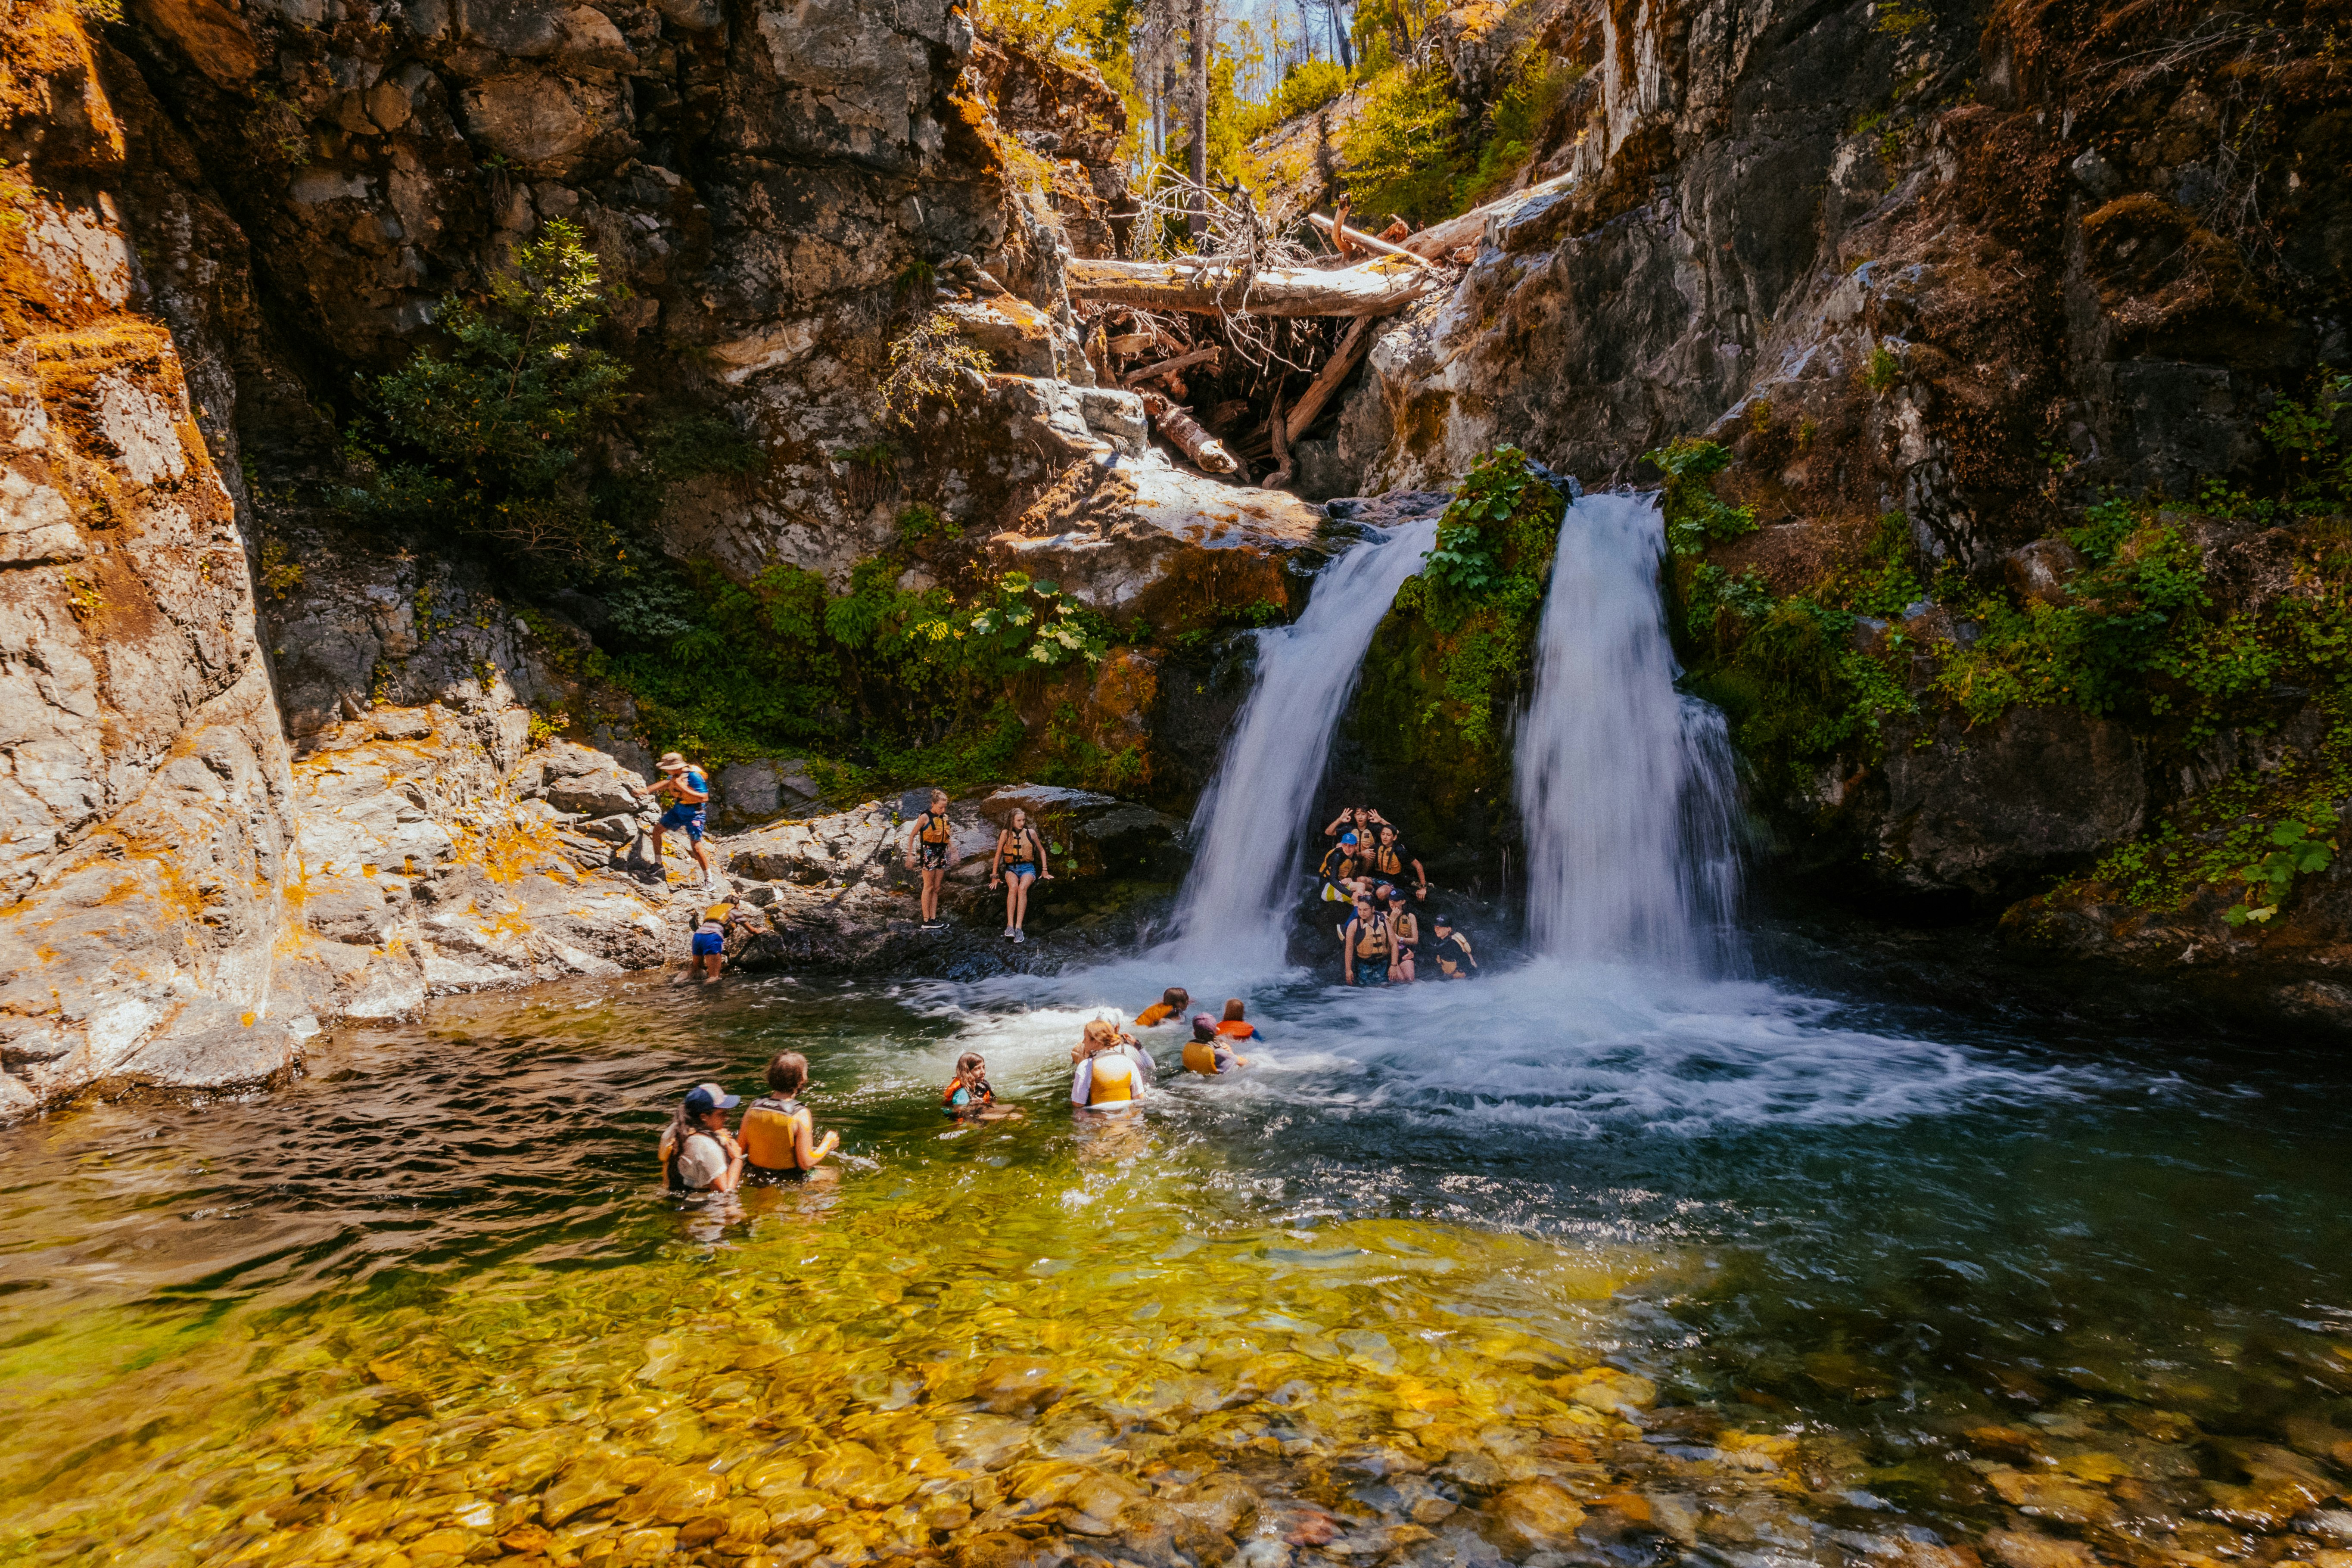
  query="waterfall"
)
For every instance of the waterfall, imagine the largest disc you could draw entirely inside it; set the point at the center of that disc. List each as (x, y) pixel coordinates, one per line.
(1251, 829)
(1627, 787)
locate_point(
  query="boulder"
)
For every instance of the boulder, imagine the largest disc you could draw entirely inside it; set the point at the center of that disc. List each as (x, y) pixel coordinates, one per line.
(1140, 540)
(745, 794)
(1099, 834)
(1535, 1516)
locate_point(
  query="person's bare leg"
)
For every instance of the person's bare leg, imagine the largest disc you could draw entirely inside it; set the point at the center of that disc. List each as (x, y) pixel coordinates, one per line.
(1012, 895)
(659, 864)
(715, 961)
(1021, 904)
(702, 858)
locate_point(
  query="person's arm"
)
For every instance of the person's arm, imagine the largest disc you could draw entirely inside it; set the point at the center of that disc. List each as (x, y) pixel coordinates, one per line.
(997, 861)
(1144, 1064)
(663, 1153)
(732, 1177)
(688, 794)
(1333, 831)
(1082, 1083)
(1348, 950)
(1044, 873)
(804, 1156)
(1420, 879)
(913, 833)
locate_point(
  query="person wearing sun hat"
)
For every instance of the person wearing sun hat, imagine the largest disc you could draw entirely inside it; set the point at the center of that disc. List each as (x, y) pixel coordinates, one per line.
(689, 791)
(698, 1153)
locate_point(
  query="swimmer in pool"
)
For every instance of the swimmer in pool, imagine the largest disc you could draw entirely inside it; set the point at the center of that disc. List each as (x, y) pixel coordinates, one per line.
(780, 1141)
(1113, 1073)
(968, 1095)
(1173, 1001)
(1211, 1050)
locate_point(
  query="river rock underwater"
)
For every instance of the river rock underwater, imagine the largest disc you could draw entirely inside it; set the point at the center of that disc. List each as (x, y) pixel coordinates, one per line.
(1612, 1270)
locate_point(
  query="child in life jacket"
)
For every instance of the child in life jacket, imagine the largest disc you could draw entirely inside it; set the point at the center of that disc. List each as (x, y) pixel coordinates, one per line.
(1235, 1026)
(707, 954)
(969, 1095)
(1210, 1050)
(1113, 1071)
(780, 1141)
(1173, 1001)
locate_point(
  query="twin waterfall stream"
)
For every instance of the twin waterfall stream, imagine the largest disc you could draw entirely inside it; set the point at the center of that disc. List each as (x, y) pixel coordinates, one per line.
(1634, 1252)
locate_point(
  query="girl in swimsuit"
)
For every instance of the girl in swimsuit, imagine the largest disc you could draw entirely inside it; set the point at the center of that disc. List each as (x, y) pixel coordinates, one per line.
(928, 842)
(1020, 860)
(968, 1094)
(1365, 945)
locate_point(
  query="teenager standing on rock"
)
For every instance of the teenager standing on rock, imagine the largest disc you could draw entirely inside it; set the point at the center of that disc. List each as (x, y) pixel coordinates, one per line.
(691, 792)
(928, 842)
(1020, 860)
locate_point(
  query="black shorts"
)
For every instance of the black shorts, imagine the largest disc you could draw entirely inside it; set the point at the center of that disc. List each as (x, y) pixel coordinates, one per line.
(762, 1176)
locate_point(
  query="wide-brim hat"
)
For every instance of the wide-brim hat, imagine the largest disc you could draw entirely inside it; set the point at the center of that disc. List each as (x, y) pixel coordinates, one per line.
(671, 762)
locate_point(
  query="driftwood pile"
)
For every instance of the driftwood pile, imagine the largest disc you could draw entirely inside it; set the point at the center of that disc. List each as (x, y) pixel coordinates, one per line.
(1171, 329)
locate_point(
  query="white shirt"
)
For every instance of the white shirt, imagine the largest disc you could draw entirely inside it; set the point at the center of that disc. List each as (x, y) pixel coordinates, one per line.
(1082, 1082)
(701, 1161)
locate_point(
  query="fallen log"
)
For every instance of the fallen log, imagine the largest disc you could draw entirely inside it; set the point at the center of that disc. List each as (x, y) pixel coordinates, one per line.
(1327, 381)
(1439, 240)
(1205, 449)
(1375, 289)
(1170, 366)
(1358, 236)
(1282, 469)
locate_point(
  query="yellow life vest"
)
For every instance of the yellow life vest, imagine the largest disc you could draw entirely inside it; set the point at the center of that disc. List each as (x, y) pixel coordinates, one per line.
(1200, 1056)
(1113, 1080)
(767, 1134)
(934, 828)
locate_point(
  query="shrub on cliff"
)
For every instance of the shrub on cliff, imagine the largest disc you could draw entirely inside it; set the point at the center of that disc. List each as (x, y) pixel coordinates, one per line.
(1403, 153)
(503, 434)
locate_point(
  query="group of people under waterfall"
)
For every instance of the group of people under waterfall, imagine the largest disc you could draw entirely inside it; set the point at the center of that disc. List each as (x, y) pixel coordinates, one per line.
(1110, 1075)
(1381, 936)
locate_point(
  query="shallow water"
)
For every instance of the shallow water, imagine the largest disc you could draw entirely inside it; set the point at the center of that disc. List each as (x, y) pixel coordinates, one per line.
(1733, 1274)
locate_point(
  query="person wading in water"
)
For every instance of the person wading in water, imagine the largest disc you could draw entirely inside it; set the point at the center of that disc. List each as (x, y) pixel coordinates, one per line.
(692, 791)
(780, 1141)
(1452, 951)
(928, 843)
(1365, 945)
(698, 1155)
(1020, 860)
(1210, 1049)
(1113, 1071)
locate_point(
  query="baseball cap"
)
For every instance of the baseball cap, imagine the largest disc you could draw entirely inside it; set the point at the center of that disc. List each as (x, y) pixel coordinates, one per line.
(706, 1097)
(1440, 919)
(1347, 838)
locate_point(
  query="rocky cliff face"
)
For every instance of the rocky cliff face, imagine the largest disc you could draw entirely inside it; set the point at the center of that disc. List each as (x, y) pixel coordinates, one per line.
(147, 795)
(1970, 274)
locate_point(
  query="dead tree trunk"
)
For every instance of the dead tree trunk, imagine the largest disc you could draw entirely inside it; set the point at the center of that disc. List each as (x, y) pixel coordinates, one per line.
(1375, 289)
(1200, 118)
(1336, 369)
(1181, 428)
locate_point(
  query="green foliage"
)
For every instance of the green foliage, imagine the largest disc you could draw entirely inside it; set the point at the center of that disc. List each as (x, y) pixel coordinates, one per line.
(1884, 369)
(2319, 473)
(492, 438)
(930, 363)
(726, 669)
(922, 522)
(1307, 86)
(1695, 518)
(1480, 592)
(1403, 152)
(1898, 20)
(1536, 85)
(2295, 850)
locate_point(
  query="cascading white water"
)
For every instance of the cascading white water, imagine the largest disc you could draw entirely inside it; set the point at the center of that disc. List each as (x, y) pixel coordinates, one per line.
(1250, 826)
(1627, 787)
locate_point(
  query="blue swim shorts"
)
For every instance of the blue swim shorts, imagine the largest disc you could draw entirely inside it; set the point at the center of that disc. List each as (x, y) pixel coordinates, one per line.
(708, 944)
(1020, 868)
(686, 815)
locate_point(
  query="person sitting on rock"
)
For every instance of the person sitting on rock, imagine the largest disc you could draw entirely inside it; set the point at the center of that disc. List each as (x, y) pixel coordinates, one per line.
(1404, 934)
(1173, 1001)
(691, 793)
(1020, 859)
(1343, 861)
(1452, 951)
(780, 1137)
(1390, 858)
(1235, 1026)
(1364, 945)
(1211, 1050)
(1113, 1071)
(928, 842)
(968, 1093)
(698, 1155)
(1360, 820)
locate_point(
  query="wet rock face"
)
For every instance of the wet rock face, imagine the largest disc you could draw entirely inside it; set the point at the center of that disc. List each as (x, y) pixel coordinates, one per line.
(144, 816)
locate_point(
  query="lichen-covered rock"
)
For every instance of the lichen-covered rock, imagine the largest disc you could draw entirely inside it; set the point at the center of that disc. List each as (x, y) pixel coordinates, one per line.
(1138, 540)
